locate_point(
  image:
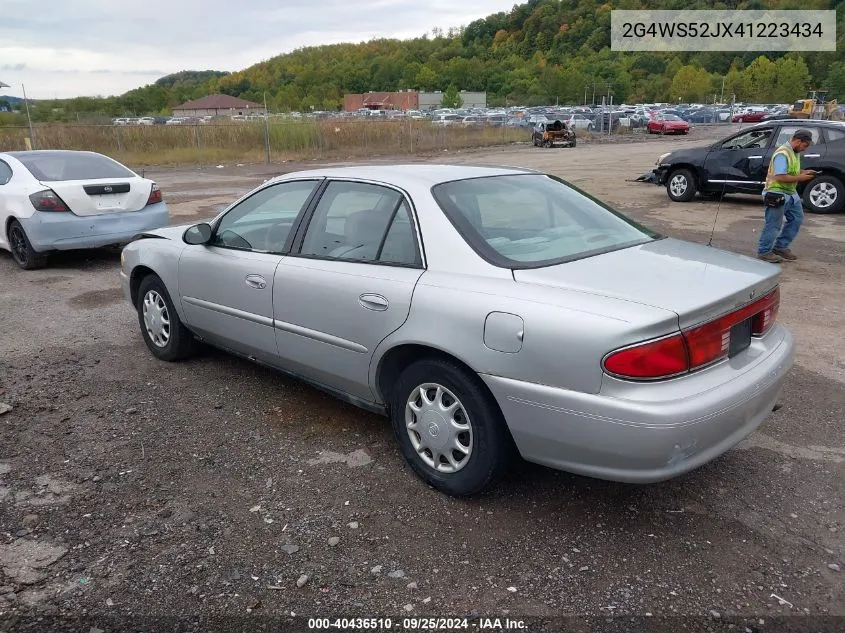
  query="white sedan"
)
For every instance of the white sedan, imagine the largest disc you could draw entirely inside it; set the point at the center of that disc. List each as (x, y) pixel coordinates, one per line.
(62, 200)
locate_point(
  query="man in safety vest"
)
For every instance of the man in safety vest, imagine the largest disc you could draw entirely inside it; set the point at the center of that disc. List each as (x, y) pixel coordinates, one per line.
(782, 199)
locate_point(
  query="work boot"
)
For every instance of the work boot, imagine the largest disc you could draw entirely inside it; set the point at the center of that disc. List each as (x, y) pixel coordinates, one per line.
(785, 253)
(771, 258)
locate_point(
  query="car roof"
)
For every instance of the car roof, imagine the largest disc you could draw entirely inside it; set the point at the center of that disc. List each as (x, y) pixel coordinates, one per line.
(416, 174)
(47, 152)
(801, 123)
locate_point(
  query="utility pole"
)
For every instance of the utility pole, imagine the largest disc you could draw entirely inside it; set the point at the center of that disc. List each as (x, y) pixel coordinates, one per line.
(266, 128)
(26, 103)
(722, 94)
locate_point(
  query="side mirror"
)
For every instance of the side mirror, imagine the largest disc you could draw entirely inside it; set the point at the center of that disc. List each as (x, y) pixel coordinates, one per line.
(198, 234)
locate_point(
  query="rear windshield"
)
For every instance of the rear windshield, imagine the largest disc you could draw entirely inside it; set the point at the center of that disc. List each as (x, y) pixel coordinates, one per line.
(533, 220)
(57, 166)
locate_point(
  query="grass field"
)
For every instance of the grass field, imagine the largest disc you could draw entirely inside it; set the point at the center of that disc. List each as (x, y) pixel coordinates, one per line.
(248, 142)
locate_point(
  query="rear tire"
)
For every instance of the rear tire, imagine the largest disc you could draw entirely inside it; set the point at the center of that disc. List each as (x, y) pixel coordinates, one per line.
(22, 252)
(824, 194)
(161, 327)
(681, 185)
(436, 405)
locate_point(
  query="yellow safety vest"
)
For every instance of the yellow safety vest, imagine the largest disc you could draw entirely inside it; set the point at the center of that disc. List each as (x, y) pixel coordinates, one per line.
(793, 168)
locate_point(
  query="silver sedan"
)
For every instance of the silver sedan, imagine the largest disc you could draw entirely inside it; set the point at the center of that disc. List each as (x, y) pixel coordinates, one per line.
(490, 313)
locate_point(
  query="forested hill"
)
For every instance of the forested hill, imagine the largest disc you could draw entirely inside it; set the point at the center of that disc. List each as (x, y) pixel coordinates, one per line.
(543, 51)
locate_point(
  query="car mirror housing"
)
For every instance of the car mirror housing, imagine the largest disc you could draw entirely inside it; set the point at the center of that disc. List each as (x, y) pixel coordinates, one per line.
(198, 234)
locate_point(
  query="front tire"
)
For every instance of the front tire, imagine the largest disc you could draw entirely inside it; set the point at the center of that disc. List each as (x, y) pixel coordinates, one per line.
(824, 194)
(449, 428)
(22, 252)
(681, 185)
(161, 328)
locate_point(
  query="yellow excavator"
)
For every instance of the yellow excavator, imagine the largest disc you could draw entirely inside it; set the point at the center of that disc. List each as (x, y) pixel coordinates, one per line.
(816, 106)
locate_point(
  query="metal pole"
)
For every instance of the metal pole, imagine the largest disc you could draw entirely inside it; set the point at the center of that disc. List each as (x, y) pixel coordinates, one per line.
(266, 128)
(26, 104)
(197, 137)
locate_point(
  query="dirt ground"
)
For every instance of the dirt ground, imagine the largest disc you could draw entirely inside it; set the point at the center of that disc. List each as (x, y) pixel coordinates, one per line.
(217, 495)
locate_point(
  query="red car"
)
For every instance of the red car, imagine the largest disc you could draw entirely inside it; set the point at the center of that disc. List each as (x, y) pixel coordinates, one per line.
(668, 124)
(748, 117)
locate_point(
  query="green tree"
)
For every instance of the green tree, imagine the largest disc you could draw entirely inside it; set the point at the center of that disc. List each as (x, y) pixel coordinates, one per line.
(835, 80)
(690, 84)
(426, 78)
(792, 79)
(761, 79)
(452, 98)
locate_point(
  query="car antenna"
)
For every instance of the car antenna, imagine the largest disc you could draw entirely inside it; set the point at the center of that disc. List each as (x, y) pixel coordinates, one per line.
(719, 206)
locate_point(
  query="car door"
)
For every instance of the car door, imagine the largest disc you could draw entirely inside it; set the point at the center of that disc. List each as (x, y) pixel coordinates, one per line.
(226, 285)
(815, 154)
(347, 284)
(740, 162)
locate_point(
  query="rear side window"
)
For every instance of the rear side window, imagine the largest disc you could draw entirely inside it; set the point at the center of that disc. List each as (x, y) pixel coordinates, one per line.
(56, 166)
(786, 133)
(834, 135)
(5, 173)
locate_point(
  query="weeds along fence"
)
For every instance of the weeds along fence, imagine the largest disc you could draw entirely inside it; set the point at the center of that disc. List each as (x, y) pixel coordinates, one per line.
(270, 141)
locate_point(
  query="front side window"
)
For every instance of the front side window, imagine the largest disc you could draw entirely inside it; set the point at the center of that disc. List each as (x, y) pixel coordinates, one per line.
(753, 139)
(518, 221)
(263, 221)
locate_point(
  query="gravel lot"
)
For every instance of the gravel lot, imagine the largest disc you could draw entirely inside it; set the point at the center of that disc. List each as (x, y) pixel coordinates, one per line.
(133, 490)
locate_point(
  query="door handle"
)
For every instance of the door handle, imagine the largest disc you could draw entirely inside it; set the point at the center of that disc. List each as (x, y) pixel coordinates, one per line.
(812, 155)
(256, 281)
(373, 301)
(752, 157)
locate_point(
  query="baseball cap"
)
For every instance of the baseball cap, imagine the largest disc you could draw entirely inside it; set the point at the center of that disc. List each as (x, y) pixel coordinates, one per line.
(803, 135)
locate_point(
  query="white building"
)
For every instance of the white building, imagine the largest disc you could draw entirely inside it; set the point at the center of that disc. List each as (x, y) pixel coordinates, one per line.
(433, 100)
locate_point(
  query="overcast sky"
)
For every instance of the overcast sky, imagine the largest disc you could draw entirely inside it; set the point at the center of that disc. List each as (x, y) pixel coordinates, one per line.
(67, 48)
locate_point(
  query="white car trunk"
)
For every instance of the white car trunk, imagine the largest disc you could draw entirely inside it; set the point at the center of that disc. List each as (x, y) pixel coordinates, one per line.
(102, 196)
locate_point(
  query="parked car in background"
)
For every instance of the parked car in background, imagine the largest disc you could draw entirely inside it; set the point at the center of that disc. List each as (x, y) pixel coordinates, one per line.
(579, 121)
(739, 162)
(54, 200)
(667, 124)
(749, 117)
(536, 321)
(551, 133)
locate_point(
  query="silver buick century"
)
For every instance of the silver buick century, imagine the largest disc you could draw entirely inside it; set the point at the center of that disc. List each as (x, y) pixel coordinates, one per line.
(490, 313)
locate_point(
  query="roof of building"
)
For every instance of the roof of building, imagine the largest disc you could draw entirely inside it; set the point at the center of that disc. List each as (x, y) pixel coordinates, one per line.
(2, 85)
(218, 102)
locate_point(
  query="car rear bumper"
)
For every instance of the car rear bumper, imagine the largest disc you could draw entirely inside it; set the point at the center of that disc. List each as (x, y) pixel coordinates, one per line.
(65, 231)
(659, 430)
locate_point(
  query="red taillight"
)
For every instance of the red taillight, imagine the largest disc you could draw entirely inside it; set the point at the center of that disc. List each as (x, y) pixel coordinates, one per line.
(694, 347)
(763, 321)
(155, 195)
(47, 200)
(658, 359)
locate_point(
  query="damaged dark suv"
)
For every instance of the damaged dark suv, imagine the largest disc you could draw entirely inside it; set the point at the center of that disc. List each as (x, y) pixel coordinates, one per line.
(738, 164)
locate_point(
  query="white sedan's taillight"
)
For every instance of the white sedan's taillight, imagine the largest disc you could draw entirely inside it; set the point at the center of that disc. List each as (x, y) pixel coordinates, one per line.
(155, 195)
(47, 200)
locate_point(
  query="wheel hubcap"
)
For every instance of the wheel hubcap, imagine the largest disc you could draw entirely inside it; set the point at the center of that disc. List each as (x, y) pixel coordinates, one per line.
(439, 428)
(156, 319)
(678, 185)
(823, 195)
(18, 244)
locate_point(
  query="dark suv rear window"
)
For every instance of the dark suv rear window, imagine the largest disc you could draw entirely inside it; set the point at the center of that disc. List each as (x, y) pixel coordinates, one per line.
(55, 166)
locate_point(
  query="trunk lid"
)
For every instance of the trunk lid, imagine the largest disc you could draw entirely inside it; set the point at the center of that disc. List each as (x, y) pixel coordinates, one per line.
(697, 282)
(102, 196)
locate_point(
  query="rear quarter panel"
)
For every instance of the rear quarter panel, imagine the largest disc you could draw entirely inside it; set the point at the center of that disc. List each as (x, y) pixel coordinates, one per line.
(566, 334)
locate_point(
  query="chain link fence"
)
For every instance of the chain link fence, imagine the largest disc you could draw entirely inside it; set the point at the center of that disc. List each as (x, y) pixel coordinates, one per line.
(256, 141)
